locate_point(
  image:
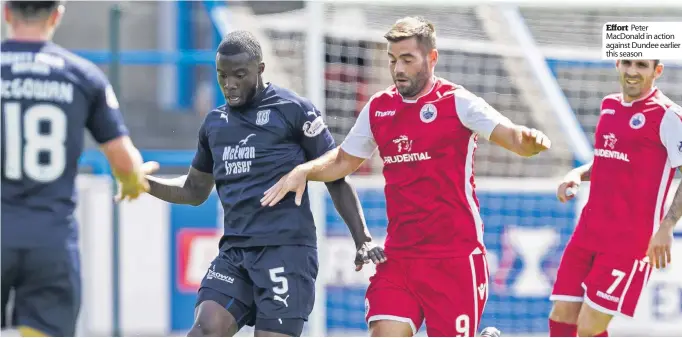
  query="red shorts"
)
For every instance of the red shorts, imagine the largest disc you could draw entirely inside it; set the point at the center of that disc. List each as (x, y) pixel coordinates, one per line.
(450, 293)
(609, 283)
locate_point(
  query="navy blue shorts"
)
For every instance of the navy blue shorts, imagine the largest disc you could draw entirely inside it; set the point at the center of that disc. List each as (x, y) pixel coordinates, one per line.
(47, 289)
(270, 283)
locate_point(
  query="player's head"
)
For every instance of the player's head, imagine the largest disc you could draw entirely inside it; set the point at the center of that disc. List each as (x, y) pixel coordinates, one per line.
(638, 76)
(412, 54)
(32, 20)
(239, 66)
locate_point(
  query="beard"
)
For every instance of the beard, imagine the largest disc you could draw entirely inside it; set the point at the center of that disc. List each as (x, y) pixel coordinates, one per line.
(416, 83)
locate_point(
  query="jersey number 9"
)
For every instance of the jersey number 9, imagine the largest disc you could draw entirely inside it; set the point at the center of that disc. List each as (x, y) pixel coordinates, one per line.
(28, 142)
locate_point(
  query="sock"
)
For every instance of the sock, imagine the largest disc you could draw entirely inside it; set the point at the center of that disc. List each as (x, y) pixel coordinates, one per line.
(557, 329)
(603, 334)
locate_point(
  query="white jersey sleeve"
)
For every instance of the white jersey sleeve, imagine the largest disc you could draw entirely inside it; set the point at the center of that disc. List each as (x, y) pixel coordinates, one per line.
(476, 114)
(671, 135)
(360, 140)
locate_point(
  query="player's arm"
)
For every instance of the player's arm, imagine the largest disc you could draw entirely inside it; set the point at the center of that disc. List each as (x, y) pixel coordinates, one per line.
(675, 212)
(358, 146)
(583, 172)
(659, 251)
(521, 140)
(331, 166)
(126, 164)
(193, 188)
(318, 143)
(569, 185)
(480, 117)
(671, 137)
(335, 164)
(348, 205)
(105, 123)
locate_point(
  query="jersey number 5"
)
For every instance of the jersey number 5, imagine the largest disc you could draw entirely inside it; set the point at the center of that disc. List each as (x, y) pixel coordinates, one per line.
(28, 143)
(275, 277)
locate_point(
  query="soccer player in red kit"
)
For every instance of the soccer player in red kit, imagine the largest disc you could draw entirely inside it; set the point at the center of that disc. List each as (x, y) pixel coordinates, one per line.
(425, 129)
(638, 146)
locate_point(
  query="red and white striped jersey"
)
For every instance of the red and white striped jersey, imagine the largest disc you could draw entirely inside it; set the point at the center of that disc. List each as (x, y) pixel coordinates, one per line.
(638, 145)
(427, 146)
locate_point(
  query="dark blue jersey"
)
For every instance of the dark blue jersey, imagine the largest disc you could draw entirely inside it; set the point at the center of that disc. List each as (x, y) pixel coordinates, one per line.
(248, 150)
(49, 97)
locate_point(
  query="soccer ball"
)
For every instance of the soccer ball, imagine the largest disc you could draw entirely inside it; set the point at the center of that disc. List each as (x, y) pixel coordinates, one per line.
(491, 332)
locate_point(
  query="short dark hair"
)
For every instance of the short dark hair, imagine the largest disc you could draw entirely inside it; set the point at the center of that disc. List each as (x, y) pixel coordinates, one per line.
(32, 10)
(656, 62)
(241, 42)
(413, 27)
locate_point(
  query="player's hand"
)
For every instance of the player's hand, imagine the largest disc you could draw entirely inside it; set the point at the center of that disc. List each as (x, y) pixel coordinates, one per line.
(659, 251)
(568, 188)
(534, 140)
(367, 252)
(131, 187)
(295, 181)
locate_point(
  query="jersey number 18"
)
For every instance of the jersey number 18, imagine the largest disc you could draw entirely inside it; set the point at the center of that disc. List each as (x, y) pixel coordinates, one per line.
(29, 142)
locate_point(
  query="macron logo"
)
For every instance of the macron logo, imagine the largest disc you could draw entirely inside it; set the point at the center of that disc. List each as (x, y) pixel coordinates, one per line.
(384, 113)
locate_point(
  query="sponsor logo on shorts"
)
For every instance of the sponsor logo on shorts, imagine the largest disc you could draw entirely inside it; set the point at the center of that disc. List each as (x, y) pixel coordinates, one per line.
(608, 297)
(212, 274)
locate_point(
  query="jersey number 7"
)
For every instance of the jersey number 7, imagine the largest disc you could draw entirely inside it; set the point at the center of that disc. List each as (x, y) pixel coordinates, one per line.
(29, 142)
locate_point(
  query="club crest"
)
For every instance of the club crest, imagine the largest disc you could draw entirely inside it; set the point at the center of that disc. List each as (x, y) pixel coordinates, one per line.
(262, 117)
(637, 121)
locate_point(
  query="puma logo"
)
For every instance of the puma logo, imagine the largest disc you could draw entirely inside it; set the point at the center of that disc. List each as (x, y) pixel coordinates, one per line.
(283, 300)
(224, 116)
(243, 142)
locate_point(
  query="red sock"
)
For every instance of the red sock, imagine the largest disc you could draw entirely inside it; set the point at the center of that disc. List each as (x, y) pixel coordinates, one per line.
(557, 329)
(603, 334)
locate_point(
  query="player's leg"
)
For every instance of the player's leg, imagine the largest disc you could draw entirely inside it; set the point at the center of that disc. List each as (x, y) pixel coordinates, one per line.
(453, 293)
(284, 288)
(613, 287)
(592, 322)
(47, 300)
(217, 314)
(567, 295)
(225, 298)
(10, 264)
(391, 309)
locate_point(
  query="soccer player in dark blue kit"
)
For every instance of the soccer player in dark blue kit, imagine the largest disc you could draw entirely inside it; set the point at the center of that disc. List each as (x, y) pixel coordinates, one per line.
(265, 272)
(49, 98)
